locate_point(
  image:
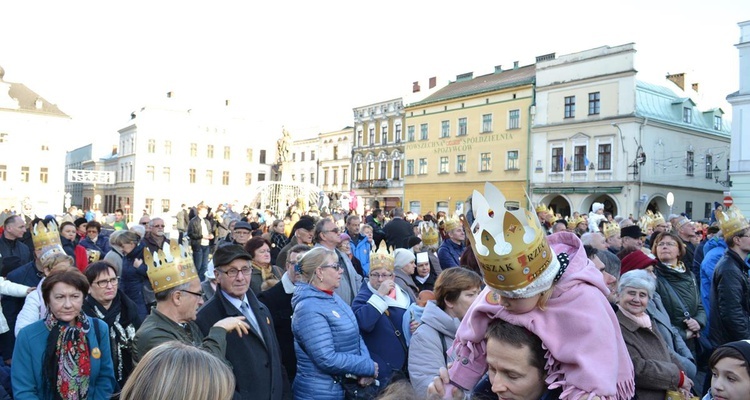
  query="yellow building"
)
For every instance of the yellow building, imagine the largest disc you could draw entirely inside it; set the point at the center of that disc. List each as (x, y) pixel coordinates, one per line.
(471, 131)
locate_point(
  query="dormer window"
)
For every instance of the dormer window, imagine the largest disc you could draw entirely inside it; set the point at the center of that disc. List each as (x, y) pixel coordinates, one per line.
(717, 122)
(687, 115)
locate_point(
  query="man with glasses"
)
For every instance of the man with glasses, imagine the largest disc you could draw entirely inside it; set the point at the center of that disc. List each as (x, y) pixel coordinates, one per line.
(327, 235)
(154, 238)
(241, 233)
(178, 297)
(255, 357)
(278, 299)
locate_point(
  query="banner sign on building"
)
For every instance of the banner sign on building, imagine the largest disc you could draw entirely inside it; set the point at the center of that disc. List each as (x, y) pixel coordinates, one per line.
(87, 176)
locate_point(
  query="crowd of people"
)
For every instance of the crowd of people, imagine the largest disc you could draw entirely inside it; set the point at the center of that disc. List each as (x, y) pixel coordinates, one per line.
(495, 303)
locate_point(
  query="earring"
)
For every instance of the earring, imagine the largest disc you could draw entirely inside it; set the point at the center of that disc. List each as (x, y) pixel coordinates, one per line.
(321, 279)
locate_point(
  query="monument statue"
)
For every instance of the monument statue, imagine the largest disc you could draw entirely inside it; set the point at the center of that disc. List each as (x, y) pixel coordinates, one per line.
(282, 147)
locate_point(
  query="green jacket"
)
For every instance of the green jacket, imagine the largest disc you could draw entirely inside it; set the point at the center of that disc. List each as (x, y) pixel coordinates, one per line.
(684, 286)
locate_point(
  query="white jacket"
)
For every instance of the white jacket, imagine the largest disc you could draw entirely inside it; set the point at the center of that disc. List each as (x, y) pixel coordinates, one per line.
(8, 288)
(425, 351)
(33, 309)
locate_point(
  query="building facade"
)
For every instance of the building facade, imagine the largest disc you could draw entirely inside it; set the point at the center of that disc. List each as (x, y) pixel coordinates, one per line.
(473, 130)
(33, 134)
(739, 165)
(335, 151)
(304, 165)
(601, 135)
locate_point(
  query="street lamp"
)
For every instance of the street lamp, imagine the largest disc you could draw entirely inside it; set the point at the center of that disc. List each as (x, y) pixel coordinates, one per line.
(670, 201)
(725, 183)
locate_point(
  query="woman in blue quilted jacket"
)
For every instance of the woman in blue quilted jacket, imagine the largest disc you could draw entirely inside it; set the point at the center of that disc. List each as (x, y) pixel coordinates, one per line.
(326, 336)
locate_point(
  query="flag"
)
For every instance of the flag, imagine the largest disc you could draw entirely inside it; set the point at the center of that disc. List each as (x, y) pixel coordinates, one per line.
(586, 161)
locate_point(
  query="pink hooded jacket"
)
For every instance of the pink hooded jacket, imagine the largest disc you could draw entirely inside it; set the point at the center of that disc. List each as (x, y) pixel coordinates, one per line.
(586, 354)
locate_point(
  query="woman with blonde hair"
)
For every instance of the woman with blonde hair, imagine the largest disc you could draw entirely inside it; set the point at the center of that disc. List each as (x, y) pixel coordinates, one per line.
(176, 371)
(33, 307)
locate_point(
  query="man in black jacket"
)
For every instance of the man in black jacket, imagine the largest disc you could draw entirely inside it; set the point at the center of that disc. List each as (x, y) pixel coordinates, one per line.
(12, 248)
(729, 317)
(397, 231)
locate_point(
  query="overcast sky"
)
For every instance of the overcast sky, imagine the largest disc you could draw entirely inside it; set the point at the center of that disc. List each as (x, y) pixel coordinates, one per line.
(306, 64)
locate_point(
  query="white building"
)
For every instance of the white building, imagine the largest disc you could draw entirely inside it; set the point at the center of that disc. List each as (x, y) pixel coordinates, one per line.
(739, 166)
(304, 164)
(334, 162)
(33, 135)
(600, 134)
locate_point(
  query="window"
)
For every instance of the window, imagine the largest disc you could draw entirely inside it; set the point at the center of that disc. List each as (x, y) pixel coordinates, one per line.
(409, 167)
(461, 163)
(294, 157)
(24, 174)
(557, 159)
(384, 134)
(261, 177)
(149, 205)
(513, 159)
(687, 115)
(167, 172)
(398, 133)
(45, 147)
(690, 163)
(514, 119)
(294, 178)
(580, 161)
(441, 206)
(383, 169)
(262, 157)
(372, 136)
(485, 162)
(462, 127)
(443, 165)
(410, 133)
(249, 155)
(192, 175)
(210, 151)
(302, 156)
(164, 205)
(43, 174)
(396, 169)
(423, 132)
(422, 166)
(312, 155)
(717, 122)
(227, 153)
(335, 176)
(359, 138)
(325, 177)
(570, 107)
(486, 123)
(594, 103)
(709, 166)
(707, 210)
(689, 209)
(302, 177)
(3, 173)
(605, 157)
(150, 172)
(445, 129)
(312, 177)
(335, 152)
(415, 207)
(345, 176)
(152, 146)
(3, 137)
(370, 170)
(209, 177)
(193, 149)
(358, 172)
(167, 147)
(248, 179)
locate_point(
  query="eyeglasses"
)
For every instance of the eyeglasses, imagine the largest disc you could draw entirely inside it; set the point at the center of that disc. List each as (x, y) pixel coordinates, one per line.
(336, 266)
(329, 231)
(104, 282)
(199, 294)
(263, 251)
(158, 226)
(241, 232)
(144, 223)
(381, 276)
(232, 273)
(668, 244)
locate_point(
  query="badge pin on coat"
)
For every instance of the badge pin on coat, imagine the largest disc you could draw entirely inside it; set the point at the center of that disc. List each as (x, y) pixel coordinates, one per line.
(335, 314)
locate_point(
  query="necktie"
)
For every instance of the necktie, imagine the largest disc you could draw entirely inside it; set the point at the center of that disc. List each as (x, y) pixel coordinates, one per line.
(250, 318)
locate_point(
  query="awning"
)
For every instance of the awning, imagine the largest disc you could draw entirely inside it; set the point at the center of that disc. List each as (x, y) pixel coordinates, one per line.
(577, 190)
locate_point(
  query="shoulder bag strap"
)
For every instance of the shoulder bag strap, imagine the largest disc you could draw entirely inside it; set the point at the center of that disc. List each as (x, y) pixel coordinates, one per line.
(442, 344)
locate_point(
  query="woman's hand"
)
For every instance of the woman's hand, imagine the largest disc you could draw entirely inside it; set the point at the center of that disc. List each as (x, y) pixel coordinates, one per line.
(365, 381)
(234, 324)
(436, 389)
(413, 325)
(692, 324)
(386, 287)
(137, 262)
(687, 385)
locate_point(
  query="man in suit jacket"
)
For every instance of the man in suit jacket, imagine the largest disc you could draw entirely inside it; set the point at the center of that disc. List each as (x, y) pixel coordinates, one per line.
(255, 357)
(398, 230)
(278, 299)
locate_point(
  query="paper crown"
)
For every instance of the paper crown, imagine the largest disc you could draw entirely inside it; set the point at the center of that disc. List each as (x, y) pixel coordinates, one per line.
(611, 229)
(429, 233)
(731, 221)
(45, 238)
(573, 222)
(646, 221)
(381, 258)
(541, 208)
(451, 224)
(656, 219)
(678, 223)
(510, 246)
(169, 267)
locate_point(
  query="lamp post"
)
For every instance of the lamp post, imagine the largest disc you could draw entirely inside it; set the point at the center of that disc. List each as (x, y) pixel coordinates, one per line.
(725, 183)
(670, 201)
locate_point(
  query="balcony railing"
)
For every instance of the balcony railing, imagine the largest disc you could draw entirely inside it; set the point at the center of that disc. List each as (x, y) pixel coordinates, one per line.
(378, 184)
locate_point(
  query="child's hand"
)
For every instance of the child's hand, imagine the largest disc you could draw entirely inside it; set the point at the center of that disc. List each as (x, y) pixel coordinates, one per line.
(30, 289)
(137, 262)
(413, 325)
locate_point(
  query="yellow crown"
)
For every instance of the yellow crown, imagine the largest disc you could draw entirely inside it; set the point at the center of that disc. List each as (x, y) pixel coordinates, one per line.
(573, 222)
(731, 221)
(381, 258)
(45, 237)
(611, 229)
(509, 245)
(451, 224)
(541, 208)
(657, 219)
(171, 267)
(646, 221)
(429, 233)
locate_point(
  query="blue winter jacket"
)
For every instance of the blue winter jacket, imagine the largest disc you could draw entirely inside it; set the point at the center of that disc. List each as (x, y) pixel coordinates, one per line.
(101, 244)
(132, 279)
(449, 254)
(362, 252)
(713, 250)
(327, 344)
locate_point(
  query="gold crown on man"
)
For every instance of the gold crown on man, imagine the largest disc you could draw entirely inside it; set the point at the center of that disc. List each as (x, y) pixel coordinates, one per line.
(429, 233)
(573, 222)
(451, 224)
(509, 245)
(45, 238)
(656, 219)
(381, 259)
(611, 229)
(646, 221)
(170, 266)
(541, 208)
(731, 221)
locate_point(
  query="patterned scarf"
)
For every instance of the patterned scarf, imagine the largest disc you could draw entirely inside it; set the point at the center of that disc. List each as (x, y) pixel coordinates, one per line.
(73, 358)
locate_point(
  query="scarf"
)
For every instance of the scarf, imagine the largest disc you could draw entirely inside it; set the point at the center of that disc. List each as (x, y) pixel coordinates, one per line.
(266, 272)
(643, 321)
(679, 267)
(121, 332)
(68, 364)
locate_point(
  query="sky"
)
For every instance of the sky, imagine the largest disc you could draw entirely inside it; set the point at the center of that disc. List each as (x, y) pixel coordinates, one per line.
(305, 65)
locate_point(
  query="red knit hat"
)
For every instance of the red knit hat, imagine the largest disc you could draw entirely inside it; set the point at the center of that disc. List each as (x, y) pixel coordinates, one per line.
(636, 260)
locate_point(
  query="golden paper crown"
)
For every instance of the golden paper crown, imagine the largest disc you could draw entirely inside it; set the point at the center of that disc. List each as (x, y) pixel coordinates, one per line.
(429, 233)
(451, 224)
(611, 229)
(45, 237)
(646, 221)
(541, 208)
(509, 245)
(657, 219)
(93, 255)
(171, 267)
(381, 258)
(573, 222)
(731, 221)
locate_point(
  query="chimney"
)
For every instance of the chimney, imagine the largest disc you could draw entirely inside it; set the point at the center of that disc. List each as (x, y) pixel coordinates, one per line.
(545, 57)
(433, 82)
(415, 87)
(695, 87)
(465, 77)
(169, 95)
(498, 69)
(114, 150)
(678, 79)
(515, 64)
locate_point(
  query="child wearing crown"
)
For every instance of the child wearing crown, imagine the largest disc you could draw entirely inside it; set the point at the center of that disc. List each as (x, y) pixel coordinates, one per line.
(548, 286)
